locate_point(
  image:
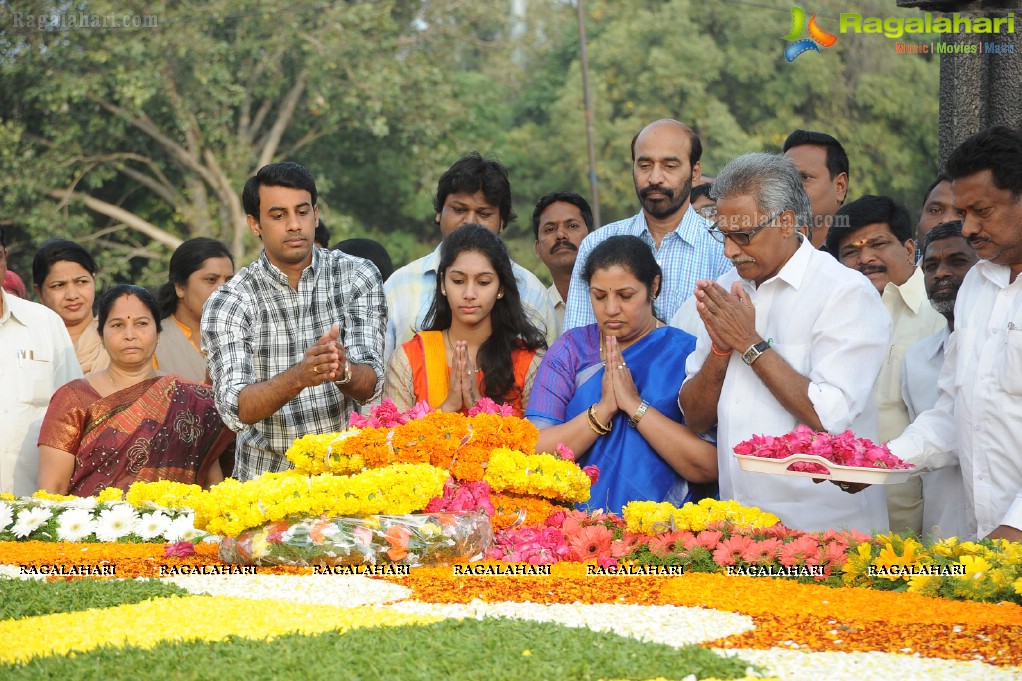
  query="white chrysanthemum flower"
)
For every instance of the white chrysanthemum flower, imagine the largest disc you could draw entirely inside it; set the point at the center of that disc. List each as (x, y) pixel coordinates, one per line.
(152, 525)
(88, 503)
(75, 524)
(115, 522)
(6, 515)
(29, 520)
(182, 528)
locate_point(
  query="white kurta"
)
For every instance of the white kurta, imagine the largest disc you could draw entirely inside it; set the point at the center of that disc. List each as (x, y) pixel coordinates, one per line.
(36, 358)
(829, 324)
(945, 513)
(979, 406)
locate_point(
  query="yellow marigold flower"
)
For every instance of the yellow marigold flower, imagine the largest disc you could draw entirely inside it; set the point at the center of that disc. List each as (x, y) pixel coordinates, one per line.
(650, 517)
(1018, 586)
(43, 494)
(110, 494)
(540, 475)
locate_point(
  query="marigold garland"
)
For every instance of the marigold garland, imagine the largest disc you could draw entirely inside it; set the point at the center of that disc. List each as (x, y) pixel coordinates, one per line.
(541, 475)
(162, 494)
(653, 518)
(454, 442)
(512, 509)
(232, 507)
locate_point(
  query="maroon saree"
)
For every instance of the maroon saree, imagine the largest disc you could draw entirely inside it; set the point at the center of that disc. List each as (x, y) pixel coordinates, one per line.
(164, 428)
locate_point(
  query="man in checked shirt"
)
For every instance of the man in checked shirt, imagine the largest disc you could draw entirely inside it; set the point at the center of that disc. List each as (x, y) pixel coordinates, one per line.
(295, 339)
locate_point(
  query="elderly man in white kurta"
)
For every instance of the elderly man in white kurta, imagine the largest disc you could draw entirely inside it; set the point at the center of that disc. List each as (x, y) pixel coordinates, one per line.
(789, 337)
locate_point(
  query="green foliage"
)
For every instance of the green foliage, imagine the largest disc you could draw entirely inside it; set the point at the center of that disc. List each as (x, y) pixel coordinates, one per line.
(487, 650)
(31, 598)
(379, 98)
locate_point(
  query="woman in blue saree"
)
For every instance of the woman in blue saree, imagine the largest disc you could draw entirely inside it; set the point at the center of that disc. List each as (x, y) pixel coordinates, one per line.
(609, 391)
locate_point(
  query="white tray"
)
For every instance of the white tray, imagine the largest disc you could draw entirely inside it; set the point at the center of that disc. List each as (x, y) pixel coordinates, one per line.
(869, 476)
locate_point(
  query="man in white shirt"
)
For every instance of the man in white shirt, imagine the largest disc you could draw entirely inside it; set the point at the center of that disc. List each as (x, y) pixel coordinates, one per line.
(560, 221)
(977, 420)
(474, 189)
(665, 166)
(947, 258)
(789, 337)
(873, 235)
(36, 358)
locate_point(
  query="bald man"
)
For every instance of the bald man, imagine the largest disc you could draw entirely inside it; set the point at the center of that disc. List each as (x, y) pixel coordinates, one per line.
(665, 165)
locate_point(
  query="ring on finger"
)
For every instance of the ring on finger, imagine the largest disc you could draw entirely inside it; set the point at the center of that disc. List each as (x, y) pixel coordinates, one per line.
(622, 365)
(316, 368)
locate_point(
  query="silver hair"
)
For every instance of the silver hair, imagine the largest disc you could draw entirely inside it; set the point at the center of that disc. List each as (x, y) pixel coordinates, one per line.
(771, 179)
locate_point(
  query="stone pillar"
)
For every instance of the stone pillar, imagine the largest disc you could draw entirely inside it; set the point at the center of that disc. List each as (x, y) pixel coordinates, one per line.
(977, 90)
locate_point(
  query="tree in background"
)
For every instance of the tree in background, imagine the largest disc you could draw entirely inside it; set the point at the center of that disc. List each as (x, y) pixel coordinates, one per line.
(130, 140)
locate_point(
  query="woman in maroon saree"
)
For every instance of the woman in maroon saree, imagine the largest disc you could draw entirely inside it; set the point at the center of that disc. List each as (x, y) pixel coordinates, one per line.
(128, 422)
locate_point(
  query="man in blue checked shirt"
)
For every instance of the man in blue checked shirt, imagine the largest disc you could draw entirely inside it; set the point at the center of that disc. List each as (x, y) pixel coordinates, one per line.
(295, 339)
(665, 164)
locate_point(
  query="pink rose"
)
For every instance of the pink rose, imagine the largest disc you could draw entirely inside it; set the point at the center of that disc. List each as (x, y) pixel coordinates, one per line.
(563, 451)
(181, 549)
(593, 472)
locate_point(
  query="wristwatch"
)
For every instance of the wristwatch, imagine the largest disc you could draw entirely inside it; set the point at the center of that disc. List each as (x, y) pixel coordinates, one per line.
(344, 380)
(754, 351)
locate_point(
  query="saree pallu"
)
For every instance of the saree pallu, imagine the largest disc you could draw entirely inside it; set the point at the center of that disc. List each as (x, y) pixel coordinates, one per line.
(571, 379)
(163, 428)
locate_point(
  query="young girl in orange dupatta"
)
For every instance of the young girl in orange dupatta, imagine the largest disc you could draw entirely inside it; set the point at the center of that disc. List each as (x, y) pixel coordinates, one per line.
(129, 422)
(477, 340)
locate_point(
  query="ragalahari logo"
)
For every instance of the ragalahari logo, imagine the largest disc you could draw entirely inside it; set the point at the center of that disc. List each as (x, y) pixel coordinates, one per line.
(817, 36)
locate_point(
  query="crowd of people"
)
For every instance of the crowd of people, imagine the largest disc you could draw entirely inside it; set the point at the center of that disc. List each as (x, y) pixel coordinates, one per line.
(744, 304)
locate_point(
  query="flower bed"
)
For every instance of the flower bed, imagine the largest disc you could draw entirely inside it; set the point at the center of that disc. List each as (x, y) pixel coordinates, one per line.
(634, 626)
(708, 590)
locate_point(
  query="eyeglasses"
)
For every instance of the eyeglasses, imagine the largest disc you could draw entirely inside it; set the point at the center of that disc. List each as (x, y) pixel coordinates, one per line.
(741, 238)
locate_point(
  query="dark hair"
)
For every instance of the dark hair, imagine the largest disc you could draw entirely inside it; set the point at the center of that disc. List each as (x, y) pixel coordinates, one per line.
(284, 174)
(187, 259)
(511, 326)
(997, 149)
(473, 173)
(107, 300)
(699, 191)
(567, 197)
(322, 235)
(837, 159)
(696, 146)
(631, 253)
(3, 238)
(371, 250)
(59, 250)
(869, 210)
(940, 178)
(944, 230)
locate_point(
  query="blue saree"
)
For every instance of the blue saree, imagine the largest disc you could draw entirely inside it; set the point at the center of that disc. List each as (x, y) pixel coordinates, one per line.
(570, 379)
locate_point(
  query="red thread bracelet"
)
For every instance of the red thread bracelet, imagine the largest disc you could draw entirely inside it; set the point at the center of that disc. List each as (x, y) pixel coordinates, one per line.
(717, 352)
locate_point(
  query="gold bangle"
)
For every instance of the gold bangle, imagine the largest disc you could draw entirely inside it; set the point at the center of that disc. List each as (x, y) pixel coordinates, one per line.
(595, 424)
(639, 413)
